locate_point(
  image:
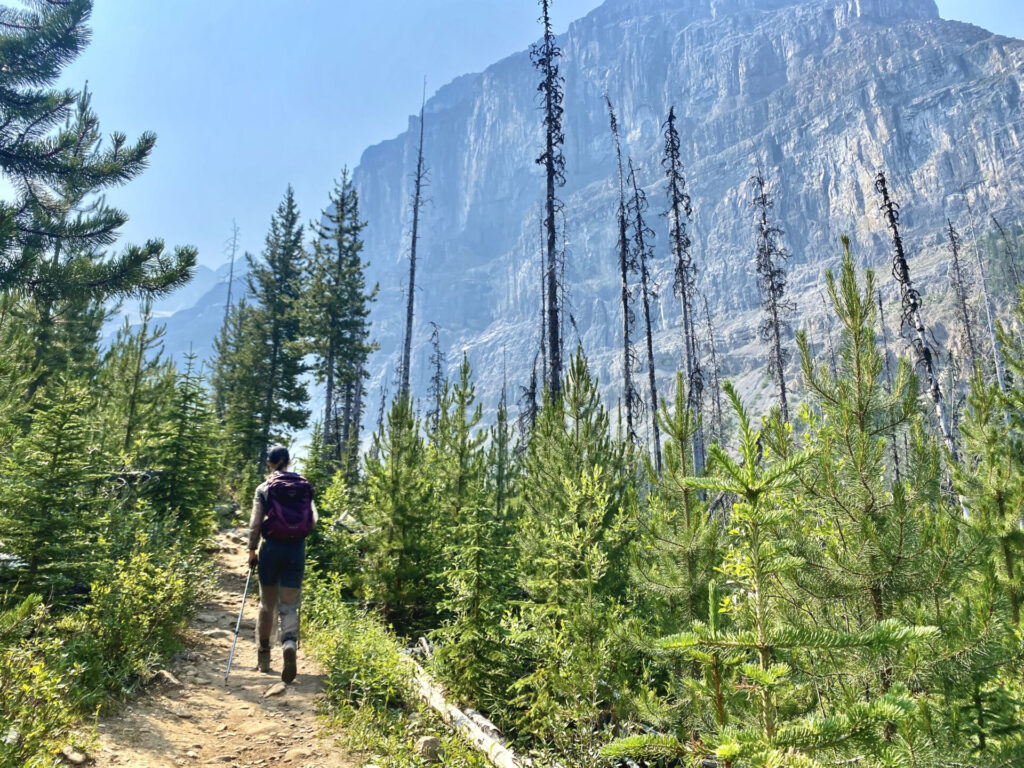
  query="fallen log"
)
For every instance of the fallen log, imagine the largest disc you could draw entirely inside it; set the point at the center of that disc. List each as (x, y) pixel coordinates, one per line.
(497, 753)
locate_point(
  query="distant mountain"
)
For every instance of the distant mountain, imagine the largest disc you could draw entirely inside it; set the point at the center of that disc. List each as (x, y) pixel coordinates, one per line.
(825, 92)
(192, 315)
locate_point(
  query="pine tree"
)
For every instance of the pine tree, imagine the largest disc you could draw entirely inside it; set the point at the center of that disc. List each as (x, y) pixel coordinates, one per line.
(419, 180)
(679, 213)
(870, 546)
(52, 234)
(239, 371)
(185, 458)
(911, 304)
(402, 559)
(771, 279)
(677, 547)
(643, 252)
(52, 508)
(468, 530)
(335, 313)
(275, 282)
(627, 266)
(774, 724)
(438, 380)
(134, 382)
(545, 56)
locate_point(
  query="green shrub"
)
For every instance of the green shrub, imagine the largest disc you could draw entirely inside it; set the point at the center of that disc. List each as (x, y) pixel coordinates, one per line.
(363, 661)
(371, 691)
(132, 622)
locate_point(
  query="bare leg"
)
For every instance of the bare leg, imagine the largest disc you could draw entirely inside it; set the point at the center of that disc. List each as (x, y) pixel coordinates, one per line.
(268, 605)
(289, 609)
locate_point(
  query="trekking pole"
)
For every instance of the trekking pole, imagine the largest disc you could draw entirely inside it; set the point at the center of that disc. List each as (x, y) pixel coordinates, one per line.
(238, 626)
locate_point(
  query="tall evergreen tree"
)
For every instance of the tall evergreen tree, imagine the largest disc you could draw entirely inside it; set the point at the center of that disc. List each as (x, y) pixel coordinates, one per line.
(680, 211)
(769, 257)
(239, 371)
(336, 318)
(275, 282)
(643, 252)
(627, 266)
(545, 56)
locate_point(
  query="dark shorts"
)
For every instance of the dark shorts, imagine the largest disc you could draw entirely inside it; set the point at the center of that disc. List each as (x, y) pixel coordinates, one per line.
(282, 562)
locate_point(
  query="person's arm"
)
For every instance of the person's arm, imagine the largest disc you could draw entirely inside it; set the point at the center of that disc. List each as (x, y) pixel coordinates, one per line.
(255, 525)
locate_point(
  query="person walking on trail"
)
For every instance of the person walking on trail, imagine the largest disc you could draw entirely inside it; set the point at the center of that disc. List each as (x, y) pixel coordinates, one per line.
(283, 515)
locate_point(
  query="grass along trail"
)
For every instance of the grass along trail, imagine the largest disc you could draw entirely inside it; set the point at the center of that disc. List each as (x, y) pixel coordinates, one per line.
(191, 718)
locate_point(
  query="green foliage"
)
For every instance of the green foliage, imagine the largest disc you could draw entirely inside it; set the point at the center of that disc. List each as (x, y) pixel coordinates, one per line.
(402, 562)
(51, 502)
(474, 544)
(130, 624)
(184, 456)
(371, 691)
(336, 319)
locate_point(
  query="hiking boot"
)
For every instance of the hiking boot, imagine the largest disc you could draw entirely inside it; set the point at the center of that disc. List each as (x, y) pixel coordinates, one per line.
(290, 652)
(263, 659)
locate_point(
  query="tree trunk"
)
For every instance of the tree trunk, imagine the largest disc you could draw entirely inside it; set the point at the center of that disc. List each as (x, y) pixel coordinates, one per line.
(629, 393)
(417, 202)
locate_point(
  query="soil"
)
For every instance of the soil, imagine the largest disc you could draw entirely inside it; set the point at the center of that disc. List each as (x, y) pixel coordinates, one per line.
(203, 721)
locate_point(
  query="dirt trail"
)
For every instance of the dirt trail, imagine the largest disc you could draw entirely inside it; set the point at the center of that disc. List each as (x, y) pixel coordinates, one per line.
(202, 722)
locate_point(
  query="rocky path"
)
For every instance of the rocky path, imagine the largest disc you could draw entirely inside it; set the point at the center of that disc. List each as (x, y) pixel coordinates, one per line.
(189, 717)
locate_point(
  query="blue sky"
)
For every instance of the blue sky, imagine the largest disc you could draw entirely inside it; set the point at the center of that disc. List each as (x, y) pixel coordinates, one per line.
(247, 96)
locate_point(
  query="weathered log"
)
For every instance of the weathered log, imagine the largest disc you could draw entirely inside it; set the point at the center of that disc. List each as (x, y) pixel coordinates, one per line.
(498, 754)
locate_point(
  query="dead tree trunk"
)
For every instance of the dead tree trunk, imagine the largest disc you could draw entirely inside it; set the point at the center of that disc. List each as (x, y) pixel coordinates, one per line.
(680, 212)
(716, 376)
(543, 306)
(419, 180)
(772, 283)
(1011, 259)
(545, 57)
(626, 265)
(993, 339)
(233, 248)
(961, 286)
(888, 380)
(911, 306)
(643, 237)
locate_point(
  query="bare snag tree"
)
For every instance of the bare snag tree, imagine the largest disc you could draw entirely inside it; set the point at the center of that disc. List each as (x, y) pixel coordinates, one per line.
(679, 213)
(419, 182)
(627, 265)
(643, 251)
(545, 55)
(771, 281)
(911, 313)
(961, 283)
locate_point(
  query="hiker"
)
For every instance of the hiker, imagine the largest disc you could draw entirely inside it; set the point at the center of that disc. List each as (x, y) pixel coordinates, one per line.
(283, 514)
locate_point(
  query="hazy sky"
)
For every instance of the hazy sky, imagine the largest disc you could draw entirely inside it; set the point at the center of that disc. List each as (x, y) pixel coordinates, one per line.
(247, 96)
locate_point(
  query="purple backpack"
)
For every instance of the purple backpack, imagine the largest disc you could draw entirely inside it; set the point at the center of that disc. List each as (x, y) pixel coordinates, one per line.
(289, 508)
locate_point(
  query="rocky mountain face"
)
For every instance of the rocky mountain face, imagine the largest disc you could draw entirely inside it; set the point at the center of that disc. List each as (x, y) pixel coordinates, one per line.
(824, 92)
